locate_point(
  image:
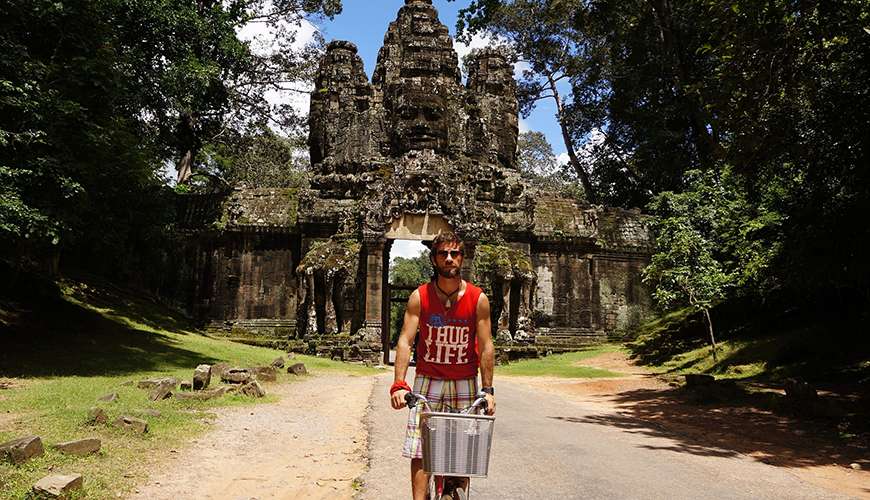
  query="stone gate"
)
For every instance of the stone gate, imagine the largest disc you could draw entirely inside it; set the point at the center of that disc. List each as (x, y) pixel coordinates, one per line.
(406, 155)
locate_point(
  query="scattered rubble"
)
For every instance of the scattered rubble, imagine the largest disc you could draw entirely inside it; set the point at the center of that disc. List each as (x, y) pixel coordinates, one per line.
(97, 415)
(297, 369)
(57, 486)
(201, 377)
(132, 424)
(80, 447)
(109, 398)
(22, 449)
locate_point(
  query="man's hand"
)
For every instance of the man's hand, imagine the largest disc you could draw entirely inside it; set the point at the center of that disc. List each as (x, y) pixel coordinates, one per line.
(398, 399)
(490, 404)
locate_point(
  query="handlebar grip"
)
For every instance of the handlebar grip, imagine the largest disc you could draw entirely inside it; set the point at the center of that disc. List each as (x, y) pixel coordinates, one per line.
(410, 400)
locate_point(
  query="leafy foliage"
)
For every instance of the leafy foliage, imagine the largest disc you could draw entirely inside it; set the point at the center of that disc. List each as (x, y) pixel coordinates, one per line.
(539, 166)
(97, 98)
(766, 102)
(404, 271)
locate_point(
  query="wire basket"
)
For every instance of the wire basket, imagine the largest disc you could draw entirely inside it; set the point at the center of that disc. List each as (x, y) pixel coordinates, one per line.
(456, 444)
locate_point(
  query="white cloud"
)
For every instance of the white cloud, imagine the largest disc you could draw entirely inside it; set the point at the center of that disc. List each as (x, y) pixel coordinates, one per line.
(519, 67)
(264, 40)
(524, 126)
(562, 159)
(406, 249)
(479, 41)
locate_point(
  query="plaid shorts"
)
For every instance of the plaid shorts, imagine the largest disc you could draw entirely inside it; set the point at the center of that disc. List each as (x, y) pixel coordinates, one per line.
(441, 394)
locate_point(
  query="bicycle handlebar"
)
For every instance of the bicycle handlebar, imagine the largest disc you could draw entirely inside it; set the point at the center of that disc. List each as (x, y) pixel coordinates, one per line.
(412, 398)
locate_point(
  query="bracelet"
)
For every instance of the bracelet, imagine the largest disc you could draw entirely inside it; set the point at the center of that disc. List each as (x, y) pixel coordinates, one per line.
(399, 386)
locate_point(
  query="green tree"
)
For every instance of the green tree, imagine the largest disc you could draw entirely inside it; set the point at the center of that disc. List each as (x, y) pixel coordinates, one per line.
(687, 268)
(770, 94)
(97, 97)
(539, 33)
(411, 271)
(539, 166)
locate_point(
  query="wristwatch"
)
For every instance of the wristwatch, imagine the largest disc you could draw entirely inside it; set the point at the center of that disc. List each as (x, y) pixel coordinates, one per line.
(488, 390)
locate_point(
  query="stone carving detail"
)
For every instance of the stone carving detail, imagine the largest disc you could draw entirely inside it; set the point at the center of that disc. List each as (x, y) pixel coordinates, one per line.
(415, 140)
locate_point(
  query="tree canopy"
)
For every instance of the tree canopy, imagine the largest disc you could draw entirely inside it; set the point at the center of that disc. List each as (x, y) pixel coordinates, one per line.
(768, 101)
(98, 98)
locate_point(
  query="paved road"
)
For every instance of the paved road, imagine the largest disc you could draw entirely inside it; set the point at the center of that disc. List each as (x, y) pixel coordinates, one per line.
(547, 447)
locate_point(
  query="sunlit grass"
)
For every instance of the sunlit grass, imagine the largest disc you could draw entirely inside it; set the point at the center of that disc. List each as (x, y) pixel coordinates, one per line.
(92, 346)
(567, 365)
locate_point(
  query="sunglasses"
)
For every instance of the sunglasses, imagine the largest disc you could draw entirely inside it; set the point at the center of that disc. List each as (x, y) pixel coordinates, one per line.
(452, 253)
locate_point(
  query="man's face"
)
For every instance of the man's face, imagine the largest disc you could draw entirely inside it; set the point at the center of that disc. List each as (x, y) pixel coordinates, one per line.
(448, 260)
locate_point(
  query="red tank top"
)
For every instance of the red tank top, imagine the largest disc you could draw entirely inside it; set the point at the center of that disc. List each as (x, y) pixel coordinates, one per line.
(447, 344)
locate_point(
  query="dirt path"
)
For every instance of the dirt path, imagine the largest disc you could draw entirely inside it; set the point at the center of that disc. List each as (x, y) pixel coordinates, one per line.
(310, 444)
(756, 433)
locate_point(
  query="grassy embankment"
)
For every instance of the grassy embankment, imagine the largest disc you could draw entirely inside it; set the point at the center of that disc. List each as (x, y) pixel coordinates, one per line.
(567, 365)
(61, 353)
(756, 348)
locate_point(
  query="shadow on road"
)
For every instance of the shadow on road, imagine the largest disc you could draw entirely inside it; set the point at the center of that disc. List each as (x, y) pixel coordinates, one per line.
(725, 430)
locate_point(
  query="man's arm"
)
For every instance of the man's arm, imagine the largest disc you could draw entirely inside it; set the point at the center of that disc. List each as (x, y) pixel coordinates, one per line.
(487, 349)
(404, 345)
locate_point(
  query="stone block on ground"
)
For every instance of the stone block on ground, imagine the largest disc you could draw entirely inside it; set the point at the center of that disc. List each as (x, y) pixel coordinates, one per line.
(699, 380)
(265, 373)
(236, 376)
(201, 377)
(185, 385)
(202, 395)
(218, 369)
(252, 389)
(150, 412)
(57, 486)
(21, 449)
(109, 398)
(297, 369)
(152, 383)
(162, 391)
(278, 363)
(132, 424)
(799, 391)
(97, 415)
(80, 447)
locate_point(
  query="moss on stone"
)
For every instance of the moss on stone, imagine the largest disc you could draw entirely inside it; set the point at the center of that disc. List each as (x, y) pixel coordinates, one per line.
(502, 261)
(333, 256)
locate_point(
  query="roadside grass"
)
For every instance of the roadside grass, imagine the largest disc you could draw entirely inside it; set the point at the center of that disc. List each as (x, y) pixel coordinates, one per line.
(567, 365)
(62, 353)
(827, 350)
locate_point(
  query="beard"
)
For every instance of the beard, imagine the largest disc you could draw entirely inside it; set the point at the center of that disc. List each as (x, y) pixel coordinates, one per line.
(448, 272)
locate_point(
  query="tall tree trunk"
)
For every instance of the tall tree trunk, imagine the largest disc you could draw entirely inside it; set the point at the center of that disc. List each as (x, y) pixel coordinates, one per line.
(591, 195)
(710, 327)
(188, 145)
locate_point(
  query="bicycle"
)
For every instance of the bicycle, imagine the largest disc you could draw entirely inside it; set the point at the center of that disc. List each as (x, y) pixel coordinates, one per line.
(456, 446)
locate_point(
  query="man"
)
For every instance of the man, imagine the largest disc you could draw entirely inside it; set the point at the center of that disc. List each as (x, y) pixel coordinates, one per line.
(455, 339)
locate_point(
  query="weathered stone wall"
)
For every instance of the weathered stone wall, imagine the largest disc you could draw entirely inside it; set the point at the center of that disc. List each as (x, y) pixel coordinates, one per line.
(563, 296)
(249, 276)
(623, 301)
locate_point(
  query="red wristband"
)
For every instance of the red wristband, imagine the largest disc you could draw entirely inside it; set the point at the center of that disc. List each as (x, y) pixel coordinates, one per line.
(399, 386)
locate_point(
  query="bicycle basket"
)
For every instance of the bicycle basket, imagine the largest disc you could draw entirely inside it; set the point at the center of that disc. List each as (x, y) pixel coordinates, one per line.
(456, 444)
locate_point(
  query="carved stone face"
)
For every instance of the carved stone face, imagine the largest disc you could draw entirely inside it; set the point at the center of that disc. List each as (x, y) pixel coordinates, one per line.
(420, 122)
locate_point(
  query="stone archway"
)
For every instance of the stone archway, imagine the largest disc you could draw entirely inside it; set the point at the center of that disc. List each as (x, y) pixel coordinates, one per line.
(423, 227)
(408, 226)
